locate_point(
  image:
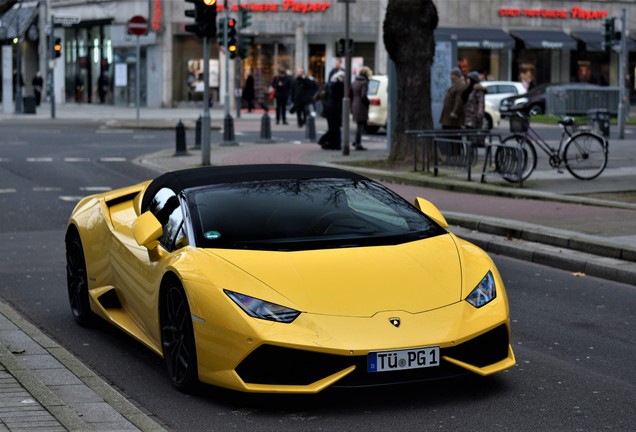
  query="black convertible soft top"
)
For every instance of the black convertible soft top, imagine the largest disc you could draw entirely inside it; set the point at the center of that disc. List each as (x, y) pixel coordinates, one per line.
(194, 177)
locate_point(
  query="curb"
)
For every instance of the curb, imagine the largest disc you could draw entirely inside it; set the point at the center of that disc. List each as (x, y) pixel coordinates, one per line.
(73, 415)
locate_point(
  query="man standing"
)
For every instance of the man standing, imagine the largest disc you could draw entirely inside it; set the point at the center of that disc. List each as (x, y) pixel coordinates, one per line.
(37, 84)
(281, 85)
(452, 116)
(360, 104)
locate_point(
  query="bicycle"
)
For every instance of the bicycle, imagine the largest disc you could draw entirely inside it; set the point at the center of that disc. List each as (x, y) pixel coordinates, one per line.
(584, 152)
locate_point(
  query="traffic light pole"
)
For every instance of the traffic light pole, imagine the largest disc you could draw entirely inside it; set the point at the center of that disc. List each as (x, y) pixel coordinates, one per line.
(346, 107)
(228, 122)
(622, 81)
(51, 73)
(205, 119)
(237, 68)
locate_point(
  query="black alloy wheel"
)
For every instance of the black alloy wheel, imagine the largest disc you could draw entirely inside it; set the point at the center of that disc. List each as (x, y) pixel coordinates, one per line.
(177, 335)
(77, 280)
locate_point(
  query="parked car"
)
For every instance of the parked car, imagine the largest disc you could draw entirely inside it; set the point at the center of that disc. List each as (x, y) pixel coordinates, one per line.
(378, 95)
(286, 278)
(498, 90)
(534, 101)
(491, 116)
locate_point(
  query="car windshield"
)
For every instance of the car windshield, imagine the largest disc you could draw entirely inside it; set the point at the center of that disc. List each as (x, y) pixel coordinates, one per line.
(304, 214)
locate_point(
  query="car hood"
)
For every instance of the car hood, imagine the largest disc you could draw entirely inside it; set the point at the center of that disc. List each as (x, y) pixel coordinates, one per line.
(414, 277)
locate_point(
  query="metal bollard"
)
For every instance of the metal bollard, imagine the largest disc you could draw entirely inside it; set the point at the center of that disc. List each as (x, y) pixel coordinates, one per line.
(266, 129)
(181, 139)
(310, 127)
(197, 135)
(228, 131)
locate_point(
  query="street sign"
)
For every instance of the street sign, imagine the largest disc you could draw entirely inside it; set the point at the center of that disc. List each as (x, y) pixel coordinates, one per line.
(66, 21)
(138, 25)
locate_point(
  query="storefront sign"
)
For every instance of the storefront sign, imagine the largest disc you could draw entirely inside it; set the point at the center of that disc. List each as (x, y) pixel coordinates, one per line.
(574, 13)
(284, 6)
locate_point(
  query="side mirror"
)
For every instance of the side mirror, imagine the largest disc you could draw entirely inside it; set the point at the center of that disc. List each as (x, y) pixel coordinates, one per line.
(429, 209)
(147, 230)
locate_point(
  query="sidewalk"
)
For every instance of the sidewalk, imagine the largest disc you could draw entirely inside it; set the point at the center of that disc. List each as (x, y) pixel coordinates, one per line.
(586, 227)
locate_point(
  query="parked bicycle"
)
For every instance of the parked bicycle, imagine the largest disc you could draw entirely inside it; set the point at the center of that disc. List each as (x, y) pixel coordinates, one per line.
(583, 152)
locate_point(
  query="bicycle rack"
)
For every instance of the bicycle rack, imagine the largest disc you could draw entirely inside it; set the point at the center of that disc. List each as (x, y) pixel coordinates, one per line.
(509, 162)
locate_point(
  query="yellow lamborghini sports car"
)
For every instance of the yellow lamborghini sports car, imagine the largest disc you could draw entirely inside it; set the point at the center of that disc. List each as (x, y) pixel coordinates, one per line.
(286, 279)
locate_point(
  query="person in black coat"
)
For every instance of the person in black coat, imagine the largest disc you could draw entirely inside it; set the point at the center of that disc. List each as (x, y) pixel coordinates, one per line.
(281, 85)
(303, 91)
(37, 84)
(248, 92)
(332, 108)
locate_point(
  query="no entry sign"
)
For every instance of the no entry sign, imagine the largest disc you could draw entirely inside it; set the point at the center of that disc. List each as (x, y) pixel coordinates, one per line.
(138, 25)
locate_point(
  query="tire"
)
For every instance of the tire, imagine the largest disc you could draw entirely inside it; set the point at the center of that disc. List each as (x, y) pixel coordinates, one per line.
(585, 156)
(177, 336)
(506, 160)
(535, 110)
(77, 280)
(487, 123)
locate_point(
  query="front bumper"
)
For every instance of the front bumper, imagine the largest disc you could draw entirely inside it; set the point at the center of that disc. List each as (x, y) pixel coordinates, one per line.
(315, 351)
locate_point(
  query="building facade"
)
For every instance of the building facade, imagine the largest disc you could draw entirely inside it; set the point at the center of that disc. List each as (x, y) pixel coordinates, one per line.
(529, 40)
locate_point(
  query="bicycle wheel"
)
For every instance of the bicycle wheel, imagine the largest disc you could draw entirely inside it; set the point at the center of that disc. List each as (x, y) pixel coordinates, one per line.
(585, 156)
(506, 158)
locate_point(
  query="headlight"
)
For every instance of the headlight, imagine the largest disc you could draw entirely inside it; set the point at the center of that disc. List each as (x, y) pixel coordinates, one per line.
(521, 101)
(483, 293)
(261, 309)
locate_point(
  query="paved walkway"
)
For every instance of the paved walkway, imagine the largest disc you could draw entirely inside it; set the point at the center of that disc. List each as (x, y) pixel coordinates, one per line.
(554, 220)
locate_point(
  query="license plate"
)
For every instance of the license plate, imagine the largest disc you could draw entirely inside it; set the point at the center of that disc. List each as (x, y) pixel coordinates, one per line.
(414, 358)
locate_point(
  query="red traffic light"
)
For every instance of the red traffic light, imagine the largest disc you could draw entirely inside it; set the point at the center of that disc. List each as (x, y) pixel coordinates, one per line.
(231, 23)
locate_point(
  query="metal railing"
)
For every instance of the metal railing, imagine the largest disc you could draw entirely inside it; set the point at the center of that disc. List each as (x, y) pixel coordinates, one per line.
(458, 149)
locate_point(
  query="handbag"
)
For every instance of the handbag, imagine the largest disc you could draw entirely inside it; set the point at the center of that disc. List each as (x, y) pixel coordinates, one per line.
(271, 92)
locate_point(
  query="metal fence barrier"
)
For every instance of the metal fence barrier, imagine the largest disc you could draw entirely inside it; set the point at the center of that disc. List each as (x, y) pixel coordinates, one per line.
(458, 149)
(579, 99)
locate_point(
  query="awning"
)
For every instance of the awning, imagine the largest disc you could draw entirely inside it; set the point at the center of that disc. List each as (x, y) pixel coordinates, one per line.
(593, 40)
(483, 38)
(544, 39)
(17, 20)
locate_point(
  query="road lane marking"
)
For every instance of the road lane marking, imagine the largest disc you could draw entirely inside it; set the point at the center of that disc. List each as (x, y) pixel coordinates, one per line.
(113, 159)
(47, 189)
(76, 159)
(96, 188)
(70, 198)
(39, 159)
(10, 190)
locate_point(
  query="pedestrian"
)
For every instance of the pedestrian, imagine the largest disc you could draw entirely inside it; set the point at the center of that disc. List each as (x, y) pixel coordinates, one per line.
(281, 85)
(18, 83)
(102, 87)
(360, 104)
(303, 91)
(249, 93)
(337, 68)
(332, 108)
(37, 84)
(474, 97)
(452, 116)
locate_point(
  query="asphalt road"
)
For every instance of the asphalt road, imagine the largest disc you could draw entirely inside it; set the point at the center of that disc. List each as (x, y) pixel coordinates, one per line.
(573, 335)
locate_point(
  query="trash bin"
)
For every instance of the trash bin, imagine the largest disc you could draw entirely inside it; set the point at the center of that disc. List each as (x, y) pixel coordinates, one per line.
(599, 119)
(28, 104)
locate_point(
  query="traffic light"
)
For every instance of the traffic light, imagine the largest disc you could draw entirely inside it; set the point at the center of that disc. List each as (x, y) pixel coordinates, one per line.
(245, 43)
(608, 34)
(246, 18)
(57, 48)
(204, 14)
(340, 47)
(232, 42)
(221, 25)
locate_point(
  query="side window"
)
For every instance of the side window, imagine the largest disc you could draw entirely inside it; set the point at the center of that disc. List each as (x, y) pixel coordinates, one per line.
(166, 207)
(509, 89)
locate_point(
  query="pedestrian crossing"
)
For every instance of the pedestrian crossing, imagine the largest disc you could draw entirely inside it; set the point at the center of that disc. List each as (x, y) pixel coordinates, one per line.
(48, 159)
(82, 191)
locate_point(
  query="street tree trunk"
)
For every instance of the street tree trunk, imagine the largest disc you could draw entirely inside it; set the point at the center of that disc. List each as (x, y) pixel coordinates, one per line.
(409, 41)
